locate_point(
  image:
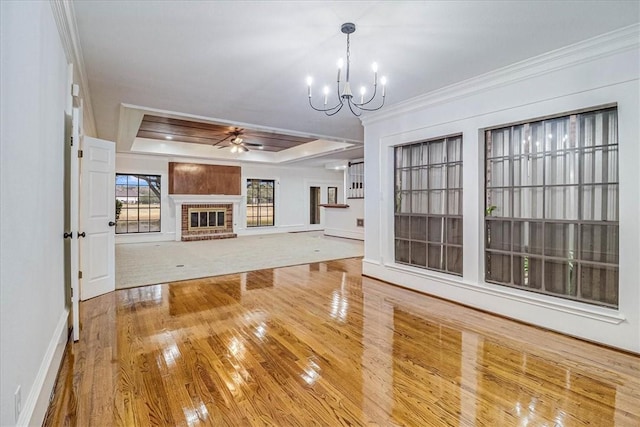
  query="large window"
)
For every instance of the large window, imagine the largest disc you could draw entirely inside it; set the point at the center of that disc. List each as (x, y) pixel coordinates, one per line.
(551, 212)
(428, 204)
(260, 202)
(137, 203)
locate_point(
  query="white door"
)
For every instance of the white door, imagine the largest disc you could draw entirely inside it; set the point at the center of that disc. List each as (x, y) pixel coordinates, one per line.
(97, 217)
(74, 199)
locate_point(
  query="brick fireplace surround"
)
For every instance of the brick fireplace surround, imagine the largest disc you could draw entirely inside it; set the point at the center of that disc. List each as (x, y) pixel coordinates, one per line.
(223, 233)
(184, 202)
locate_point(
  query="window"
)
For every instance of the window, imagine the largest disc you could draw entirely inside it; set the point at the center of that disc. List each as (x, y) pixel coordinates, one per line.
(428, 204)
(332, 195)
(260, 202)
(355, 183)
(137, 203)
(551, 208)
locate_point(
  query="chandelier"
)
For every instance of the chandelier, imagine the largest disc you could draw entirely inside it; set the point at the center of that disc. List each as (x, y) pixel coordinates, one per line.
(344, 93)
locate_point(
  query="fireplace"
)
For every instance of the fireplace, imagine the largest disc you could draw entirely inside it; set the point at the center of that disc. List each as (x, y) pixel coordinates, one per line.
(205, 217)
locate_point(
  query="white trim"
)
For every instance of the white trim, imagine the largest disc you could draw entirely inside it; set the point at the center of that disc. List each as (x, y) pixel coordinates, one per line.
(588, 50)
(382, 271)
(36, 404)
(65, 18)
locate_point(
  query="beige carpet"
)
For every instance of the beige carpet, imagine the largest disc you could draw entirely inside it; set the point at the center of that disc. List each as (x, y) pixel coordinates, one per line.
(140, 264)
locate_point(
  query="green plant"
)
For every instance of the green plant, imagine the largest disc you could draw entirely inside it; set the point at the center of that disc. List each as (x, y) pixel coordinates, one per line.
(490, 210)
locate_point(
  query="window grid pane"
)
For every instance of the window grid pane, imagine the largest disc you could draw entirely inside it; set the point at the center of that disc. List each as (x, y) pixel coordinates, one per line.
(551, 206)
(137, 203)
(428, 204)
(260, 202)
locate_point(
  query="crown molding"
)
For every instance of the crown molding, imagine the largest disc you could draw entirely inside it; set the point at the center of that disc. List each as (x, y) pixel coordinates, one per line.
(607, 44)
(65, 18)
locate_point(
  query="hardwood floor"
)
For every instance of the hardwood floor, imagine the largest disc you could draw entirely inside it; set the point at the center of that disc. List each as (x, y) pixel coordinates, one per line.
(320, 345)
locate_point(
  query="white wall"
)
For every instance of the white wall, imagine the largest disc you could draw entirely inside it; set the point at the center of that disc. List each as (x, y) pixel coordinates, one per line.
(33, 315)
(292, 194)
(342, 222)
(592, 73)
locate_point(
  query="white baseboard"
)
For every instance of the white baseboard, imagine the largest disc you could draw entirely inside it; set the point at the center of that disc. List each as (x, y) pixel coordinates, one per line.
(349, 234)
(36, 405)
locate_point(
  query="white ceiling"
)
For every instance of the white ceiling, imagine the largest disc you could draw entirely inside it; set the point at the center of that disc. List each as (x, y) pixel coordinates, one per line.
(246, 61)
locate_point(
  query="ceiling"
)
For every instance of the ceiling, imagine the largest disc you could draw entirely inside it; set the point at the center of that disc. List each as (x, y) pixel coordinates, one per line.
(244, 63)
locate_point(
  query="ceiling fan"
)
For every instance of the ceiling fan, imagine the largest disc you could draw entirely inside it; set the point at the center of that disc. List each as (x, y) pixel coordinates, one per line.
(236, 143)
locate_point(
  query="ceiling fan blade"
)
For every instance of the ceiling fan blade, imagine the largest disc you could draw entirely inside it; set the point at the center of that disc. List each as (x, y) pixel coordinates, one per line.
(252, 144)
(222, 140)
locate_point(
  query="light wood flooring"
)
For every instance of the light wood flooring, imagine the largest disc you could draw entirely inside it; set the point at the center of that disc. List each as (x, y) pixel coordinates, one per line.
(318, 344)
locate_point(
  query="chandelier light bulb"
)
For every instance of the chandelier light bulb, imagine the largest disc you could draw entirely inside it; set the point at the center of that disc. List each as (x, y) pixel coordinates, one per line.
(374, 67)
(340, 63)
(326, 93)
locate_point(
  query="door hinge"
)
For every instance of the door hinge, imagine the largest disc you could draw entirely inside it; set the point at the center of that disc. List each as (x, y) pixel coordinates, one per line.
(80, 154)
(71, 292)
(79, 274)
(71, 141)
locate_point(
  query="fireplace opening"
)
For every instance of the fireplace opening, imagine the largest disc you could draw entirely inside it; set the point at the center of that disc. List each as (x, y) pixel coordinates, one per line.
(207, 219)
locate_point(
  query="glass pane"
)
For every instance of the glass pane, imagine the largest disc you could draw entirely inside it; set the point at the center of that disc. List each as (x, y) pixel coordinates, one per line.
(454, 231)
(398, 152)
(519, 143)
(599, 243)
(418, 228)
(600, 165)
(154, 225)
(221, 216)
(454, 176)
(437, 177)
(419, 202)
(454, 199)
(527, 272)
(402, 227)
(498, 235)
(527, 237)
(417, 155)
(212, 219)
(561, 168)
(454, 149)
(203, 219)
(435, 229)
(499, 145)
(403, 201)
(194, 219)
(143, 226)
(454, 259)
(499, 173)
(561, 240)
(527, 202)
(528, 170)
(536, 137)
(419, 179)
(436, 152)
(600, 202)
(418, 253)
(406, 156)
(560, 277)
(499, 203)
(405, 179)
(561, 202)
(436, 257)
(599, 284)
(556, 131)
(436, 202)
(402, 251)
(498, 267)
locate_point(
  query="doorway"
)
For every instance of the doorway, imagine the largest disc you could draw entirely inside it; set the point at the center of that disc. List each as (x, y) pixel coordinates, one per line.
(314, 205)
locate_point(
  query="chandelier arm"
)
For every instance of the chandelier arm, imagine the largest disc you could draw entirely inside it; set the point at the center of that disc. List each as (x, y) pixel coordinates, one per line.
(351, 104)
(372, 109)
(334, 112)
(325, 109)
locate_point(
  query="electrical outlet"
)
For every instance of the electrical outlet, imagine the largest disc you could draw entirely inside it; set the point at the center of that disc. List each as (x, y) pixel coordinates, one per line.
(17, 398)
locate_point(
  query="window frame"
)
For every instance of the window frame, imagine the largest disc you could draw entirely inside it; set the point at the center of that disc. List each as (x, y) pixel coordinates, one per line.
(546, 224)
(260, 205)
(412, 220)
(137, 176)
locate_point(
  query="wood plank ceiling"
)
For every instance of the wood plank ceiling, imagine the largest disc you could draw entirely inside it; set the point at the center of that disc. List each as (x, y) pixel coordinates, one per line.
(164, 128)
